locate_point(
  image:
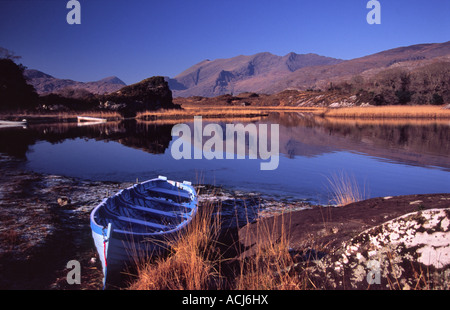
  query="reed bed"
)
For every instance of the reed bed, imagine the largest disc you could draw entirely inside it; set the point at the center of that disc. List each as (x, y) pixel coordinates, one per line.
(64, 115)
(383, 121)
(206, 113)
(423, 111)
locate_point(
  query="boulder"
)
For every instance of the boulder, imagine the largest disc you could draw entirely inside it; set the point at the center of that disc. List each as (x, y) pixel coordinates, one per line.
(150, 94)
(409, 252)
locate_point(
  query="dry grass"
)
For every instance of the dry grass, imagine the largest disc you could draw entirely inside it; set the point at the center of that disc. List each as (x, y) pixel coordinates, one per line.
(384, 112)
(194, 263)
(206, 113)
(242, 113)
(191, 263)
(65, 115)
(382, 121)
(344, 189)
(269, 268)
(423, 111)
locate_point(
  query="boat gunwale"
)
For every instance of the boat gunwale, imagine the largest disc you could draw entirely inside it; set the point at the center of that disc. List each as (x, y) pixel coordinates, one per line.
(192, 205)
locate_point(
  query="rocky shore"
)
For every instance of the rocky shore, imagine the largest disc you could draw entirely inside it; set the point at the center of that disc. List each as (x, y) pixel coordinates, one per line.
(45, 223)
(398, 242)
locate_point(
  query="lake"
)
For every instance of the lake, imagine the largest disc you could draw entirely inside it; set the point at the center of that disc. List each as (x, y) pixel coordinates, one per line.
(385, 157)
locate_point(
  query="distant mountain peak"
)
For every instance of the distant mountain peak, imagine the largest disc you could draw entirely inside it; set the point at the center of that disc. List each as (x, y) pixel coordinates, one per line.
(45, 83)
(34, 74)
(241, 73)
(113, 80)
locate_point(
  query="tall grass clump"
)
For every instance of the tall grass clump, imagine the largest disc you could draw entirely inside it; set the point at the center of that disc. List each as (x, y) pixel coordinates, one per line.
(344, 189)
(191, 261)
(194, 262)
(269, 266)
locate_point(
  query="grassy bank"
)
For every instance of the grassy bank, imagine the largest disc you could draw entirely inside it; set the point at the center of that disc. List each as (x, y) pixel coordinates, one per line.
(58, 117)
(241, 113)
(205, 259)
(417, 112)
(198, 260)
(188, 113)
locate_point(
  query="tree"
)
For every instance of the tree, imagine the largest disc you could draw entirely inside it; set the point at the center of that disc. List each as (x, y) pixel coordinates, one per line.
(437, 99)
(15, 93)
(7, 54)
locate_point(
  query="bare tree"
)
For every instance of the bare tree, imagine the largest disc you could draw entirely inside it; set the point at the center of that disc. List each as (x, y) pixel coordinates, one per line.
(5, 53)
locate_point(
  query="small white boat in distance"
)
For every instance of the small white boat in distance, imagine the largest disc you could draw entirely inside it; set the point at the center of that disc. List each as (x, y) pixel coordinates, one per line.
(7, 124)
(87, 120)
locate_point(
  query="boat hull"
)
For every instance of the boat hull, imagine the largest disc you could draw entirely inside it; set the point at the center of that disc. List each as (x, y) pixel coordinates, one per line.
(120, 243)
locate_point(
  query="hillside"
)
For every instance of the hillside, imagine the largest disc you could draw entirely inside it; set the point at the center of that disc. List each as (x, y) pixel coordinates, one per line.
(406, 83)
(321, 76)
(241, 73)
(46, 84)
(269, 74)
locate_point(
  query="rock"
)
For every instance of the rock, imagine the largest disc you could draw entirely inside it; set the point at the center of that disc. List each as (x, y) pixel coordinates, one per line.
(416, 202)
(150, 94)
(335, 105)
(411, 251)
(63, 201)
(305, 255)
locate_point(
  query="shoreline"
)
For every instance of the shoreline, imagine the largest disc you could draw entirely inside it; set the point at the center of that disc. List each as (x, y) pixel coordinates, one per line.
(45, 223)
(245, 112)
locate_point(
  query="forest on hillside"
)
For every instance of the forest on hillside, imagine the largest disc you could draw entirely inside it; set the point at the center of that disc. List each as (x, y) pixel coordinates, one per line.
(429, 84)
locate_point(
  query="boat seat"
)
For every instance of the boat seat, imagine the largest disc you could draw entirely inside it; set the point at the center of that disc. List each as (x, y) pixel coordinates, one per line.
(179, 193)
(154, 211)
(140, 195)
(114, 215)
(144, 223)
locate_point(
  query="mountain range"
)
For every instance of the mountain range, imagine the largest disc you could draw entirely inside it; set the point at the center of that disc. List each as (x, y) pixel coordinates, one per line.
(268, 73)
(241, 73)
(263, 73)
(46, 84)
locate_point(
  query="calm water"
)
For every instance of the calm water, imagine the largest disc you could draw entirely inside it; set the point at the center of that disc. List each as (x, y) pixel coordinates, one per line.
(385, 158)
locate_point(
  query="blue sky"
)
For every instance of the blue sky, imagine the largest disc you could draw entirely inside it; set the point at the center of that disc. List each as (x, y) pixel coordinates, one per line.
(141, 38)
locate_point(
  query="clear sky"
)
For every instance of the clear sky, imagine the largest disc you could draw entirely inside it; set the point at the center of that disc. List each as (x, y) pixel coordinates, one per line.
(136, 39)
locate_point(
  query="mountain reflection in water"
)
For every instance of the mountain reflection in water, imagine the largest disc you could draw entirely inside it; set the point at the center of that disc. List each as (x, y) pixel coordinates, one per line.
(390, 157)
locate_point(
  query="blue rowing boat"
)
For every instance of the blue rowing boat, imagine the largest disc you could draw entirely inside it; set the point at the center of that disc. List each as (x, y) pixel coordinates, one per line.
(138, 221)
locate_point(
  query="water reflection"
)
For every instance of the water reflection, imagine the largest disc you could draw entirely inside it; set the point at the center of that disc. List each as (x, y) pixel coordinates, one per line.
(311, 148)
(415, 142)
(149, 137)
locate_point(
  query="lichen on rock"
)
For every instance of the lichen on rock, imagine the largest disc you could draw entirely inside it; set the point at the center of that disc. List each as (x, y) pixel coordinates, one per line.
(411, 251)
